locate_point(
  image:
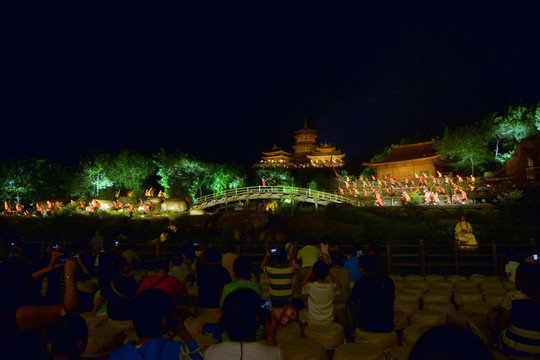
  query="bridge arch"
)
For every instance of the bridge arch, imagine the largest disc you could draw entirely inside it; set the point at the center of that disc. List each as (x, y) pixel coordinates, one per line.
(272, 192)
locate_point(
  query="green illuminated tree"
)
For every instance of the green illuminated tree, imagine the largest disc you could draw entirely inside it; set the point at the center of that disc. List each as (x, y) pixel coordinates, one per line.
(465, 147)
(226, 176)
(129, 170)
(276, 176)
(92, 176)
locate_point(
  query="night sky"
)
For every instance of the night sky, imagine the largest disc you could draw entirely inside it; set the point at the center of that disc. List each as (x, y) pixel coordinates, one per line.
(225, 84)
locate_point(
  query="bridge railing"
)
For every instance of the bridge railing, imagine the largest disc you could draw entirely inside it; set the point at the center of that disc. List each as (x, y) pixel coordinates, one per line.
(280, 190)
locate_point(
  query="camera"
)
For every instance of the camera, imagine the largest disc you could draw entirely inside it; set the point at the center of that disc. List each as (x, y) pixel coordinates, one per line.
(195, 244)
(264, 312)
(75, 256)
(359, 253)
(116, 243)
(273, 250)
(55, 246)
(535, 257)
(12, 244)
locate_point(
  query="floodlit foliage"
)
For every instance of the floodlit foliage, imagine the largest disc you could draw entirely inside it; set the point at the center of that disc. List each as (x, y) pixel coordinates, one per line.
(465, 147)
(129, 170)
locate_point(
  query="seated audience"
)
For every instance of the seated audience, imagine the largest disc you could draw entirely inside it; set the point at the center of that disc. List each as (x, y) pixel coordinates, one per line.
(344, 277)
(450, 343)
(518, 317)
(120, 291)
(320, 294)
(169, 284)
(381, 265)
(371, 304)
(242, 272)
(280, 277)
(242, 317)
(131, 256)
(211, 278)
(68, 336)
(511, 266)
(154, 317)
(180, 267)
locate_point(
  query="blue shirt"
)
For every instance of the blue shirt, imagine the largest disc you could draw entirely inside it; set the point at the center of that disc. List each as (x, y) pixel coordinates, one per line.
(353, 266)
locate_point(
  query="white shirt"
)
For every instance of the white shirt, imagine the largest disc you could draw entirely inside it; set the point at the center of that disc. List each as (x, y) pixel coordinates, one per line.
(231, 350)
(320, 302)
(511, 268)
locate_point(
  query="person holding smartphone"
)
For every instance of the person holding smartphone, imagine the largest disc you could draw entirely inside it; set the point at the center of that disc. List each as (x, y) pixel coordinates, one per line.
(280, 277)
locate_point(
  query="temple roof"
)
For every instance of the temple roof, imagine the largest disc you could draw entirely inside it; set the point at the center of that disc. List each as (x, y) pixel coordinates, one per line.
(408, 152)
(275, 151)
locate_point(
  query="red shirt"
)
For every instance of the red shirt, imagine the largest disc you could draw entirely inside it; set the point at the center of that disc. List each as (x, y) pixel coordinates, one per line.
(169, 284)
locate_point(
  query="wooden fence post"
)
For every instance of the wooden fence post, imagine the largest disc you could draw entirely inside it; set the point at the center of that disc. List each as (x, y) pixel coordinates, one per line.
(389, 257)
(494, 256)
(422, 258)
(456, 266)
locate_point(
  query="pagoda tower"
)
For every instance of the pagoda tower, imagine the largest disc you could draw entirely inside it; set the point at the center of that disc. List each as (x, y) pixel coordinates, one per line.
(305, 144)
(276, 157)
(326, 155)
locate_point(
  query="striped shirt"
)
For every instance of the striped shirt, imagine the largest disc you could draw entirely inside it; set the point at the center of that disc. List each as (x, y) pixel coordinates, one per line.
(522, 338)
(280, 277)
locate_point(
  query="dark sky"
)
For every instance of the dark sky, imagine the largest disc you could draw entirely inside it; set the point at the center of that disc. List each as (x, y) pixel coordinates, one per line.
(226, 83)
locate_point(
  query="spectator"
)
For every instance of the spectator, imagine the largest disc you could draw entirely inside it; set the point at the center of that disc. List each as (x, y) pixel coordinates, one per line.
(325, 249)
(352, 264)
(519, 314)
(306, 257)
(105, 263)
(320, 294)
(211, 278)
(120, 291)
(169, 284)
(132, 257)
(154, 317)
(450, 342)
(381, 266)
(291, 249)
(511, 266)
(241, 319)
(228, 258)
(180, 267)
(344, 277)
(280, 277)
(242, 272)
(371, 304)
(97, 240)
(68, 336)
(21, 322)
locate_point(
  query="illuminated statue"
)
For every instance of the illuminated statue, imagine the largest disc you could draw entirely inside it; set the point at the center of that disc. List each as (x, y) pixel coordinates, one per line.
(464, 235)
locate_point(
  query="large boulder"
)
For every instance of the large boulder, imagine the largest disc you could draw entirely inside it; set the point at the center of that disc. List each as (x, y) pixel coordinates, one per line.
(106, 205)
(174, 205)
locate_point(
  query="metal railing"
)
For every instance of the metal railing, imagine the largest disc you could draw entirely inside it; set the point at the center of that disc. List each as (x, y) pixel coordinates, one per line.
(272, 192)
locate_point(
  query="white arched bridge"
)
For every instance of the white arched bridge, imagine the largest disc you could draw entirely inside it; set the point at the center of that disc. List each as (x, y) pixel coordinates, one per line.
(271, 192)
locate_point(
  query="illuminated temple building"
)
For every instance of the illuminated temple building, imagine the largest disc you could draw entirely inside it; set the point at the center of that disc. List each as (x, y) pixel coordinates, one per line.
(306, 153)
(407, 160)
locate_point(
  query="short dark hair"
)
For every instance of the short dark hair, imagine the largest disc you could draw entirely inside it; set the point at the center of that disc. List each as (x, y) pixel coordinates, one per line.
(375, 247)
(320, 270)
(229, 247)
(281, 255)
(242, 267)
(308, 240)
(150, 307)
(337, 258)
(161, 264)
(65, 334)
(367, 263)
(240, 311)
(213, 255)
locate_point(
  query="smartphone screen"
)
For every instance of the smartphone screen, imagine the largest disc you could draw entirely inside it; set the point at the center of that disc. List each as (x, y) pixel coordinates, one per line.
(535, 257)
(273, 250)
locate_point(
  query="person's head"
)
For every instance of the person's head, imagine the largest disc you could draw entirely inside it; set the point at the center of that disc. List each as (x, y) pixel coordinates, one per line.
(229, 247)
(324, 239)
(242, 267)
(308, 240)
(367, 264)
(374, 248)
(528, 279)
(108, 245)
(320, 270)
(511, 255)
(68, 336)
(121, 264)
(337, 258)
(241, 310)
(281, 255)
(152, 313)
(161, 266)
(450, 342)
(177, 258)
(213, 255)
(463, 218)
